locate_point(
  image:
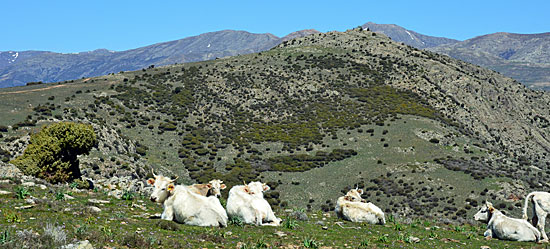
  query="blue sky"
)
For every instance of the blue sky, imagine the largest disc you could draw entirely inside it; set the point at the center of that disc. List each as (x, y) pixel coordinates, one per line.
(75, 26)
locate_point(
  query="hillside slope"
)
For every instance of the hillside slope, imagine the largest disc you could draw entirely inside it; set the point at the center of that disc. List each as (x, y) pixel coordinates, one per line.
(313, 116)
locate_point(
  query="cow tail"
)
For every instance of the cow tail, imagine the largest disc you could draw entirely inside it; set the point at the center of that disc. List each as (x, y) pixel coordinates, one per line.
(529, 196)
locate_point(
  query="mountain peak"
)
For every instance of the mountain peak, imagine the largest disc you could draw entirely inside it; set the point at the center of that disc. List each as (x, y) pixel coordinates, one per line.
(300, 33)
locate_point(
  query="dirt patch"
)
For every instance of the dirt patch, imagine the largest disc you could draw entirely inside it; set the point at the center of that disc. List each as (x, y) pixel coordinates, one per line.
(33, 90)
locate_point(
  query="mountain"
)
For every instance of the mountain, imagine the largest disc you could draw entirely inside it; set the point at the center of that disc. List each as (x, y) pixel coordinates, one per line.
(301, 33)
(409, 37)
(520, 56)
(424, 134)
(532, 48)
(524, 57)
(18, 68)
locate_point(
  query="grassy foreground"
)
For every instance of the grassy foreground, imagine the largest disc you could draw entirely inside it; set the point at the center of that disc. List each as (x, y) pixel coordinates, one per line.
(58, 215)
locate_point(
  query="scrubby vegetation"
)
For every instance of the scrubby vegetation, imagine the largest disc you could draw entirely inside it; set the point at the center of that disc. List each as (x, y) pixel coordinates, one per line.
(52, 152)
(313, 117)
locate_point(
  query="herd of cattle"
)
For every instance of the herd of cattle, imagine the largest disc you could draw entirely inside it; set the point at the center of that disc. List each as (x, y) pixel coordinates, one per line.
(198, 205)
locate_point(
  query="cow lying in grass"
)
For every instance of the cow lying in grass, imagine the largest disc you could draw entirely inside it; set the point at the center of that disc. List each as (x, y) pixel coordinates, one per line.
(353, 208)
(212, 188)
(541, 208)
(247, 203)
(502, 227)
(184, 206)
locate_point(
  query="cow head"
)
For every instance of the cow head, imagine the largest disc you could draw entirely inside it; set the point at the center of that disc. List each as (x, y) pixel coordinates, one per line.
(256, 188)
(215, 187)
(484, 214)
(354, 195)
(162, 188)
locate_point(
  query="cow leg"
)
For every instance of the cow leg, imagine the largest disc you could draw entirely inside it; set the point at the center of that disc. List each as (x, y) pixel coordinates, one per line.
(168, 213)
(541, 222)
(488, 234)
(258, 216)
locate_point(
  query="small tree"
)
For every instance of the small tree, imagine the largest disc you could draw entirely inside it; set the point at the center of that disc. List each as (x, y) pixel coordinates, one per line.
(52, 152)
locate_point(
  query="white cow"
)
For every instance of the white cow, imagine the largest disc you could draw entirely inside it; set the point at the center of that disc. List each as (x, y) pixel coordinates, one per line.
(503, 227)
(247, 202)
(184, 206)
(353, 208)
(213, 187)
(353, 195)
(541, 208)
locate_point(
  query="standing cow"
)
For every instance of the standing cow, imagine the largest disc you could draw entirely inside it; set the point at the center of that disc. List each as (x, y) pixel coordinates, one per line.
(541, 208)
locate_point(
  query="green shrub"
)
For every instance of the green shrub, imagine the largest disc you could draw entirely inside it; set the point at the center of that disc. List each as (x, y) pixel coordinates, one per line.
(22, 192)
(52, 152)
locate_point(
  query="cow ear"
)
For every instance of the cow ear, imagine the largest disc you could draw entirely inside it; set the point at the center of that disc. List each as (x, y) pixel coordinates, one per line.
(360, 191)
(170, 188)
(151, 181)
(222, 186)
(347, 198)
(266, 187)
(208, 185)
(246, 189)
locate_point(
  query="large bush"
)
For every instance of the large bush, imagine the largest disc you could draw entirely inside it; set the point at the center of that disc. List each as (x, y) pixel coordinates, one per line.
(52, 152)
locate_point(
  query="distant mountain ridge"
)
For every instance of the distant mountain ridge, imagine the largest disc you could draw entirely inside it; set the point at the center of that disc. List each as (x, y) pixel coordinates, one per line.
(19, 67)
(524, 57)
(408, 37)
(534, 48)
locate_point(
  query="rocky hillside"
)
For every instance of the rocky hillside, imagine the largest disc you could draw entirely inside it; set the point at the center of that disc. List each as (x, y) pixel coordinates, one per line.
(313, 117)
(20, 67)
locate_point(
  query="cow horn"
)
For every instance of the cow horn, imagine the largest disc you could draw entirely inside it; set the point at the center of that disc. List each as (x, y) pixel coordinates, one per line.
(244, 182)
(175, 179)
(153, 171)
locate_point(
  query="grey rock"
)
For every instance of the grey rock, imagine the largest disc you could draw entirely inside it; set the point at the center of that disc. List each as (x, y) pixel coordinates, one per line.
(116, 193)
(94, 209)
(96, 201)
(9, 171)
(79, 245)
(29, 184)
(299, 215)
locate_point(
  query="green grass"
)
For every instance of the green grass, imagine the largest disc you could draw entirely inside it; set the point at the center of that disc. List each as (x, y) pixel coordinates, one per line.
(121, 224)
